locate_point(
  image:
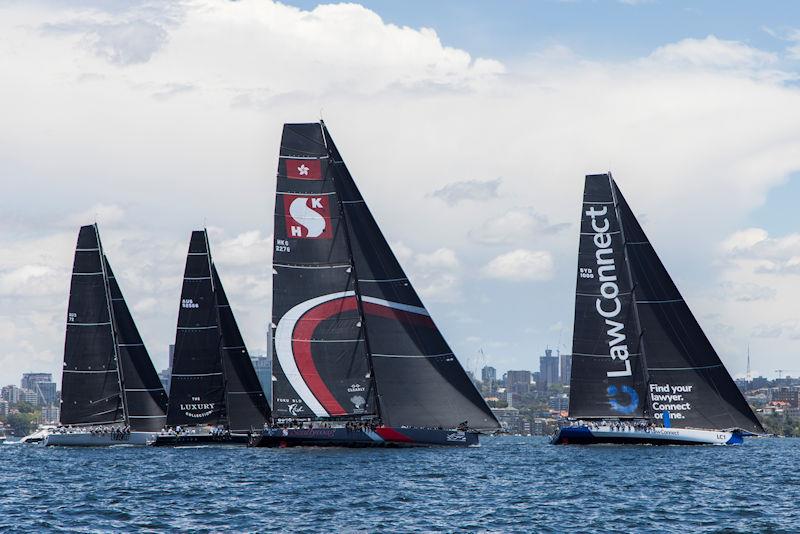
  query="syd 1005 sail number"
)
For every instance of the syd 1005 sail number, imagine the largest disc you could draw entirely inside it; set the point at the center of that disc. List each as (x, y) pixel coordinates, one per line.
(586, 272)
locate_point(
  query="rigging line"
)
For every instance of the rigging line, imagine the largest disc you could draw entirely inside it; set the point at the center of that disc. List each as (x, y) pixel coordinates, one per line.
(685, 368)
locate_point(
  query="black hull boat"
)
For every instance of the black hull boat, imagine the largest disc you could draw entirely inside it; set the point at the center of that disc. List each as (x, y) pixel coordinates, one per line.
(643, 371)
(378, 437)
(358, 361)
(190, 440)
(215, 395)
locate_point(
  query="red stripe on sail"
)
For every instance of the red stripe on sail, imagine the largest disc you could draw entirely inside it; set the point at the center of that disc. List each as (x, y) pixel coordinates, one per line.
(398, 315)
(301, 347)
(303, 169)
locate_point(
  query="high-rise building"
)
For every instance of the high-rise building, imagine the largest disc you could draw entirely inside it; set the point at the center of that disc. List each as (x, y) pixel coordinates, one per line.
(166, 375)
(488, 380)
(3, 408)
(11, 394)
(42, 385)
(50, 414)
(566, 368)
(488, 374)
(548, 369)
(31, 397)
(263, 367)
(518, 382)
(28, 379)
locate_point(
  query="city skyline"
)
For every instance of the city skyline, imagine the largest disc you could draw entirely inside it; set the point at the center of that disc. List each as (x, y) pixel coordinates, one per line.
(469, 141)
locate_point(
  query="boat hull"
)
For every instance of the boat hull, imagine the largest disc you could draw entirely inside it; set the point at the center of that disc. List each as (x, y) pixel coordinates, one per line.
(586, 435)
(190, 440)
(379, 437)
(96, 439)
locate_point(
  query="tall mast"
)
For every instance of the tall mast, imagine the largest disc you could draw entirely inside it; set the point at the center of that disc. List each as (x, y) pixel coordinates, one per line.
(356, 288)
(219, 328)
(117, 360)
(645, 373)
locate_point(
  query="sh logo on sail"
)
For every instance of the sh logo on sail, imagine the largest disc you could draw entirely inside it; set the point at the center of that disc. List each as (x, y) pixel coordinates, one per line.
(307, 217)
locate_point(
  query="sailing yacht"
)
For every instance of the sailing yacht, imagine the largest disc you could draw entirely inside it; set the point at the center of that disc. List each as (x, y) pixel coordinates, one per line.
(357, 359)
(215, 395)
(110, 392)
(643, 370)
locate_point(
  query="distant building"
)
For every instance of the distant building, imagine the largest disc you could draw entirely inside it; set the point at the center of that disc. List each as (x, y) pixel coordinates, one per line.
(566, 368)
(488, 374)
(31, 397)
(263, 367)
(50, 414)
(166, 375)
(509, 419)
(3, 408)
(11, 394)
(518, 382)
(548, 369)
(558, 403)
(42, 384)
(488, 380)
(789, 395)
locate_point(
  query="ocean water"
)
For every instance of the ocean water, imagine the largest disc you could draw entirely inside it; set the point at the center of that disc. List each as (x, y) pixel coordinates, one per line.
(507, 485)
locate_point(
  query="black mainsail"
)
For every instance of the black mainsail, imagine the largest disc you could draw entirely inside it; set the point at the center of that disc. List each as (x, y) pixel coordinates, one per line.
(143, 393)
(213, 379)
(352, 338)
(197, 386)
(108, 376)
(674, 368)
(246, 404)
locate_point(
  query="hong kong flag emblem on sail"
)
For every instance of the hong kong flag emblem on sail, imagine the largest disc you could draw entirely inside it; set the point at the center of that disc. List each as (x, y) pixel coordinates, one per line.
(304, 169)
(307, 216)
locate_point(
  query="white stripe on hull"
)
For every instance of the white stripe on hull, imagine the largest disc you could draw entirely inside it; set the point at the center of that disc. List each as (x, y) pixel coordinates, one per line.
(686, 435)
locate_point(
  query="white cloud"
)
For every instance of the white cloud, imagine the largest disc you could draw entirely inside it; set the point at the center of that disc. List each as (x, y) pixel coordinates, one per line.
(521, 264)
(768, 254)
(478, 190)
(443, 258)
(713, 52)
(104, 214)
(168, 130)
(515, 225)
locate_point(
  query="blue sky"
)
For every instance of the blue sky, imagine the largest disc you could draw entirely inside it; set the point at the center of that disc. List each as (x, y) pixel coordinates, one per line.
(602, 29)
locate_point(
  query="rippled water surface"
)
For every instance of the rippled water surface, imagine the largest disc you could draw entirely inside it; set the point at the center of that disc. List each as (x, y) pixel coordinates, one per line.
(506, 485)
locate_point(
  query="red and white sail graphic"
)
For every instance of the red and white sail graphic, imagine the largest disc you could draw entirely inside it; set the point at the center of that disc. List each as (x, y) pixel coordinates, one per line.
(307, 216)
(303, 169)
(295, 331)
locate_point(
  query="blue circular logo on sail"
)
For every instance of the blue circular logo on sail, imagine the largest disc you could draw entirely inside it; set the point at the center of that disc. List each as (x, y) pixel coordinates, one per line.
(616, 405)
